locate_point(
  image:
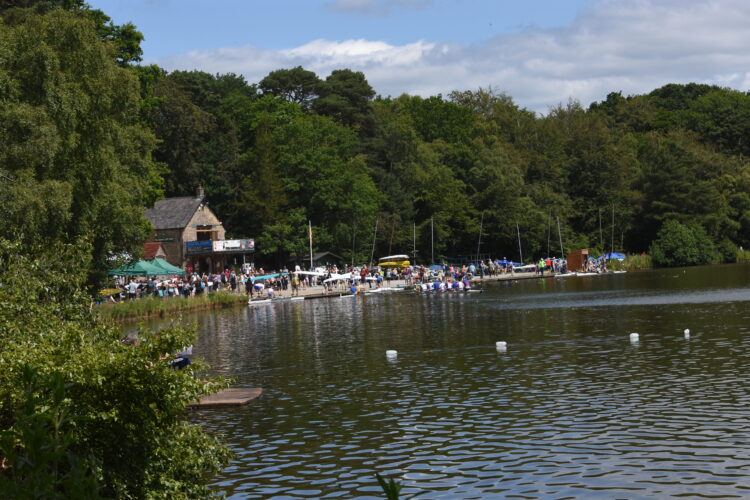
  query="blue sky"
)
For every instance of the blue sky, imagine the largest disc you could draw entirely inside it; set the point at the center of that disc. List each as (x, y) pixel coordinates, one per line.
(172, 27)
(540, 52)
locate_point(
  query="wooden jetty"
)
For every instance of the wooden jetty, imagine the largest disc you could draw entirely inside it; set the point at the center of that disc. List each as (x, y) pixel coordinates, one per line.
(234, 396)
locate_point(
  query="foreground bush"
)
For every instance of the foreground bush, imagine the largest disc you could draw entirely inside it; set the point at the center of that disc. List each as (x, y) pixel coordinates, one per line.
(82, 415)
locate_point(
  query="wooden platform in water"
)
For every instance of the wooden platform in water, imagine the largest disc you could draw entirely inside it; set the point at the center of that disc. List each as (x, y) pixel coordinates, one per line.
(234, 396)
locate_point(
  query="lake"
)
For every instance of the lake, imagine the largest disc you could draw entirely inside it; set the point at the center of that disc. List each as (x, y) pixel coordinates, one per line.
(572, 408)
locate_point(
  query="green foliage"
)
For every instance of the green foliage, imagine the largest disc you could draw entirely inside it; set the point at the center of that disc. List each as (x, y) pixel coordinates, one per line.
(345, 96)
(124, 39)
(435, 118)
(83, 414)
(680, 245)
(742, 255)
(77, 158)
(47, 461)
(295, 85)
(440, 164)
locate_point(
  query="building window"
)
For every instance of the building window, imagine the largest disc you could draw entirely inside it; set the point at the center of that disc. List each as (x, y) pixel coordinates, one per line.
(204, 233)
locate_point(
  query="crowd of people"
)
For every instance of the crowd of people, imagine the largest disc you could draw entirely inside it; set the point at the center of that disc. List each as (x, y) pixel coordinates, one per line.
(259, 283)
(551, 264)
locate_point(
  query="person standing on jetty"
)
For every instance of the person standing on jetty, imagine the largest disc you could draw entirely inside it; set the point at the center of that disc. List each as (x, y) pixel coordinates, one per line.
(295, 284)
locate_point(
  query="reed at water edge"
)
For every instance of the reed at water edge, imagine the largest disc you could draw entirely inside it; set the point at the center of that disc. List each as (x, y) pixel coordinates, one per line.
(743, 255)
(632, 262)
(154, 307)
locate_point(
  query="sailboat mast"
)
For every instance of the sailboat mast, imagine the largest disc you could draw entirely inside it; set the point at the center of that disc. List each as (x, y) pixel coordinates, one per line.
(374, 237)
(549, 230)
(479, 243)
(309, 232)
(559, 234)
(520, 252)
(415, 243)
(612, 238)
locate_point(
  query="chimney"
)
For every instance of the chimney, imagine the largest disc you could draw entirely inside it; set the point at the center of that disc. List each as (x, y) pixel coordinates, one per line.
(200, 193)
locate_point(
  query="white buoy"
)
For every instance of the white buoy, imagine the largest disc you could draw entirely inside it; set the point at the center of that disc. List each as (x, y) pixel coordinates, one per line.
(634, 337)
(501, 346)
(391, 354)
(687, 333)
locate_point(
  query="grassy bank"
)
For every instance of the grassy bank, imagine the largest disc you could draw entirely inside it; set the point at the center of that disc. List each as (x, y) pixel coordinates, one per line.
(631, 263)
(156, 307)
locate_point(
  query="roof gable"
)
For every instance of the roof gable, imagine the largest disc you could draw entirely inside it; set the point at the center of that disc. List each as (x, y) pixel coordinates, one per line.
(152, 249)
(173, 213)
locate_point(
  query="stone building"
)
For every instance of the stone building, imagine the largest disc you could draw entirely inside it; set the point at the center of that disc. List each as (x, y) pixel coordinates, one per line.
(192, 236)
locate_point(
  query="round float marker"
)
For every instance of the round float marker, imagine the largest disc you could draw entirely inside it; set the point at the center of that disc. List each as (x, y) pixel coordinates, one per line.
(687, 333)
(634, 337)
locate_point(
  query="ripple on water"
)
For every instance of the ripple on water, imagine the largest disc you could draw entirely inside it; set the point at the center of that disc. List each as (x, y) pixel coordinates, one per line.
(570, 411)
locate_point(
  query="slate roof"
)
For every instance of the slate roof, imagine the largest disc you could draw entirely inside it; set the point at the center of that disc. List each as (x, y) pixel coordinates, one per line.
(173, 213)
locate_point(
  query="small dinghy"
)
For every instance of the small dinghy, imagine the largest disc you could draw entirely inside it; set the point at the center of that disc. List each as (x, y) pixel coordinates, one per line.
(256, 302)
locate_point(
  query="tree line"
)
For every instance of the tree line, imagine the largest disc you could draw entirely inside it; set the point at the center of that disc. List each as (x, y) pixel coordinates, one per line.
(91, 137)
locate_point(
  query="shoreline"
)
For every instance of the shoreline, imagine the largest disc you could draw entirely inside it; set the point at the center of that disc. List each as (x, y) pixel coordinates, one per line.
(130, 311)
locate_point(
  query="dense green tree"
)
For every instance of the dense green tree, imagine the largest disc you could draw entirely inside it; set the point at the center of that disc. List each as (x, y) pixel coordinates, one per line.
(435, 118)
(680, 245)
(183, 128)
(680, 181)
(70, 123)
(295, 85)
(345, 96)
(125, 39)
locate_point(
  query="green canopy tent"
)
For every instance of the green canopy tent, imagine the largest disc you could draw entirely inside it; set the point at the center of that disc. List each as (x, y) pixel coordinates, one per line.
(140, 268)
(163, 264)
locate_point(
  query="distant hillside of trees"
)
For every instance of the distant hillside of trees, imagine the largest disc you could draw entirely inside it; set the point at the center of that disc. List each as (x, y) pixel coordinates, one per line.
(297, 146)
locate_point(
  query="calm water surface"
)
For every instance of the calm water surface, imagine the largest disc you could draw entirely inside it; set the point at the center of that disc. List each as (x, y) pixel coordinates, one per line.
(572, 409)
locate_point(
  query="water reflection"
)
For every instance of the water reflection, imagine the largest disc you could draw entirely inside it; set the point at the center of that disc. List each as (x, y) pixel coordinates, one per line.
(571, 409)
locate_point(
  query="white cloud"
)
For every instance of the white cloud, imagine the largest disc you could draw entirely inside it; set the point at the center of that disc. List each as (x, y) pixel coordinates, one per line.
(628, 45)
